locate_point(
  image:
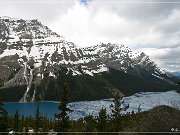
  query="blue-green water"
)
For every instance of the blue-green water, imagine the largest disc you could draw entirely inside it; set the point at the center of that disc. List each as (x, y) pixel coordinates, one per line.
(28, 109)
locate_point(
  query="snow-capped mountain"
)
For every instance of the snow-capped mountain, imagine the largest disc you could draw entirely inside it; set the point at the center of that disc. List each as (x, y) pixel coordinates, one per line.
(31, 52)
(14, 29)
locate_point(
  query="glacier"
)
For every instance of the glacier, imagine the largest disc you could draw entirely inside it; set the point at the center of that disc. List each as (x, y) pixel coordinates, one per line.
(146, 101)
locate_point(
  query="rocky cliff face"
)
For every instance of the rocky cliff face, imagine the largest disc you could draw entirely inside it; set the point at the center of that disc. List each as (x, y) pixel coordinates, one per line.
(29, 51)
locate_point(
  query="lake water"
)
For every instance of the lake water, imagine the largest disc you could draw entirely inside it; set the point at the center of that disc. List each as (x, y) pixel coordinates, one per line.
(146, 100)
(28, 109)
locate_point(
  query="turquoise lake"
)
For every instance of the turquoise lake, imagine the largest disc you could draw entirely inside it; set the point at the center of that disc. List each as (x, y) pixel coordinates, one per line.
(28, 109)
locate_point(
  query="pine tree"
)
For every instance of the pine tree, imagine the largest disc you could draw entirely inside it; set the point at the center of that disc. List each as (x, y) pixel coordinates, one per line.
(3, 117)
(139, 108)
(90, 124)
(2, 110)
(62, 124)
(16, 121)
(116, 112)
(37, 122)
(46, 124)
(22, 124)
(102, 120)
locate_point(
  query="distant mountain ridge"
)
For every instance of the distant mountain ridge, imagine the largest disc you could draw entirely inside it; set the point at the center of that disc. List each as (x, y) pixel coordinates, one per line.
(31, 54)
(177, 74)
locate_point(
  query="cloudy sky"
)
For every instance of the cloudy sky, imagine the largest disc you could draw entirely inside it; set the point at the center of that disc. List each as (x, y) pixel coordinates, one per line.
(150, 26)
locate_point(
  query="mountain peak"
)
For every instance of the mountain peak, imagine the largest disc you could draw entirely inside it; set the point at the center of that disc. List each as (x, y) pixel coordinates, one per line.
(29, 51)
(18, 29)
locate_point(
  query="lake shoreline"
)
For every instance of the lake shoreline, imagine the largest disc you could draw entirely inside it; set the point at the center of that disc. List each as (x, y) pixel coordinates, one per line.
(146, 100)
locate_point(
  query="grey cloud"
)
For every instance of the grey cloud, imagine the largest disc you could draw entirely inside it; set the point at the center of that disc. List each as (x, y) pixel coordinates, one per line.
(148, 12)
(144, 25)
(166, 58)
(46, 11)
(169, 25)
(169, 66)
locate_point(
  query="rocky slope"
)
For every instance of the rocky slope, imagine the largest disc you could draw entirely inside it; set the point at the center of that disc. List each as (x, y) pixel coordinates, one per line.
(33, 58)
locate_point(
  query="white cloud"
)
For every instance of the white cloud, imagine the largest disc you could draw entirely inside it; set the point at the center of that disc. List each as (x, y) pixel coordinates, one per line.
(153, 27)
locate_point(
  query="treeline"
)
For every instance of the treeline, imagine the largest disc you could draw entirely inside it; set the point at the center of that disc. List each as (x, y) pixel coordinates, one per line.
(85, 87)
(99, 86)
(160, 119)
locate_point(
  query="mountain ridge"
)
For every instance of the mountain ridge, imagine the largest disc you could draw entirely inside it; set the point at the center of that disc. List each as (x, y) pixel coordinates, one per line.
(30, 51)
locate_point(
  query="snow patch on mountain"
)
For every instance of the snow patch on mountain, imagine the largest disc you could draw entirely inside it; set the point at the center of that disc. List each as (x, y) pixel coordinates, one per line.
(31, 40)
